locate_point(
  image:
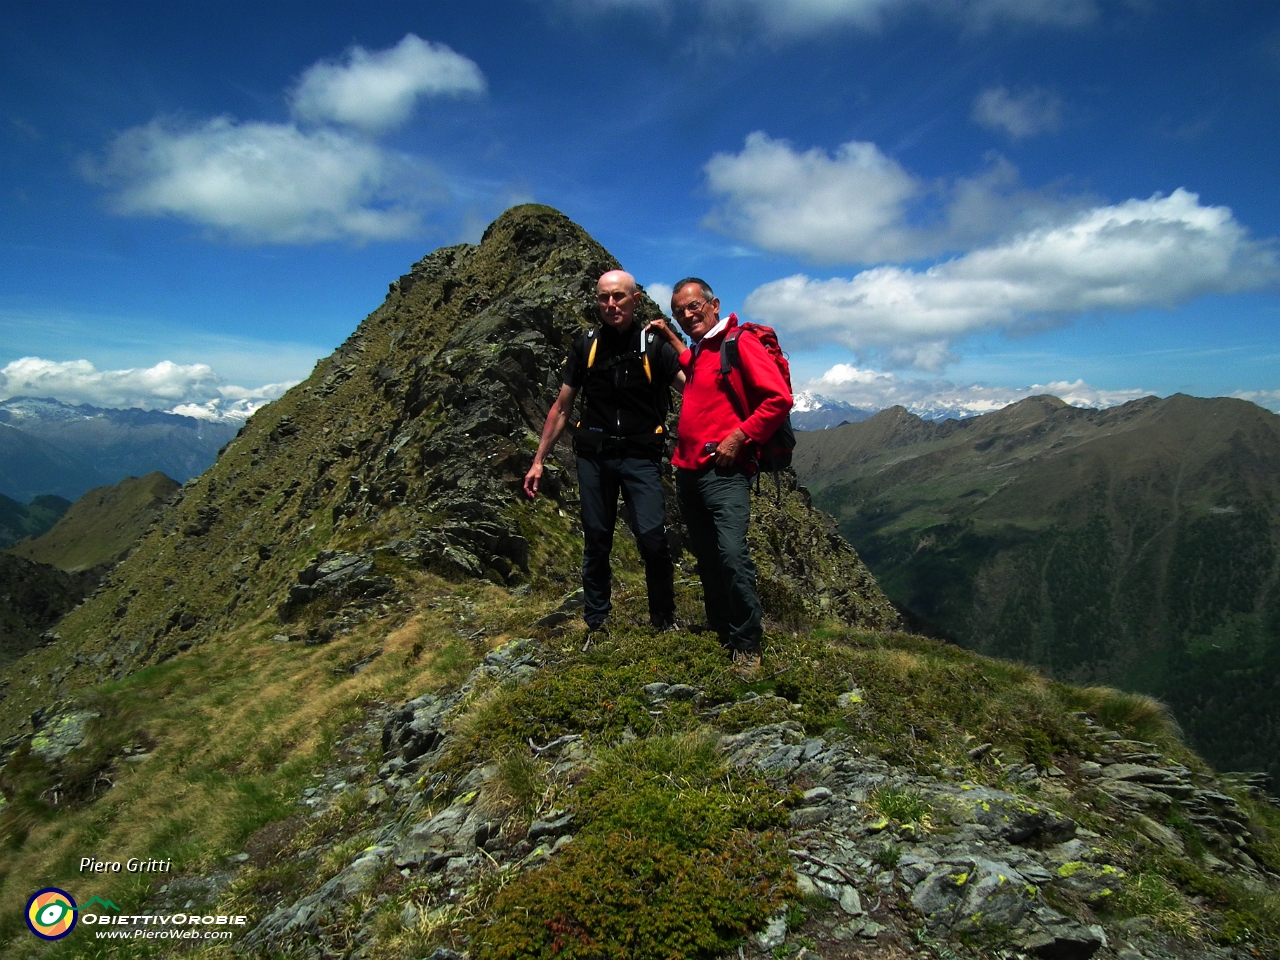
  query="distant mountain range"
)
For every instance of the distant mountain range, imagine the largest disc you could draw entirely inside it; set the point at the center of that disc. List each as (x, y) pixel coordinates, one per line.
(815, 412)
(49, 447)
(1137, 546)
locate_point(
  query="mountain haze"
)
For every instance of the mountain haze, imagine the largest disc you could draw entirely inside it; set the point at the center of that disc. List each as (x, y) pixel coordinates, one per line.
(18, 520)
(1135, 546)
(814, 412)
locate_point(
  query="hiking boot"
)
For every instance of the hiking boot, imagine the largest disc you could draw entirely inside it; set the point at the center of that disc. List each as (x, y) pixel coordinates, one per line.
(746, 663)
(599, 632)
(669, 626)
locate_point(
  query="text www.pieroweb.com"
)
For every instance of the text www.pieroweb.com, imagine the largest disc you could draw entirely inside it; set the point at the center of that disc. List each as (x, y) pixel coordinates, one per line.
(177, 926)
(164, 934)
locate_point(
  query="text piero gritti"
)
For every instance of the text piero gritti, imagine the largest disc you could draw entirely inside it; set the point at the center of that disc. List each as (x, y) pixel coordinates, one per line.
(132, 865)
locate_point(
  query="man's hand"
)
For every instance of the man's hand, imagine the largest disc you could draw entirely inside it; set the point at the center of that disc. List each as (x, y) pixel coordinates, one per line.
(730, 448)
(531, 480)
(659, 326)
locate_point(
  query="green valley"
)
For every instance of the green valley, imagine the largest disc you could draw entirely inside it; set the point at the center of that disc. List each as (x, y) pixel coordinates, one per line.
(1134, 546)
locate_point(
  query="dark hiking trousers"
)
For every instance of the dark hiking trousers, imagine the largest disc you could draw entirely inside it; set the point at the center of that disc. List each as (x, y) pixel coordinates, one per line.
(600, 480)
(716, 506)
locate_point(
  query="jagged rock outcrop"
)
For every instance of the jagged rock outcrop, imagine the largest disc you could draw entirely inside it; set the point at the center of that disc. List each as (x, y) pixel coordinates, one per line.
(406, 448)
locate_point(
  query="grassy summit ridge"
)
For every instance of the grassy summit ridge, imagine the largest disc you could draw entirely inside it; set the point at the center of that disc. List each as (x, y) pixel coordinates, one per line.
(262, 769)
(1135, 546)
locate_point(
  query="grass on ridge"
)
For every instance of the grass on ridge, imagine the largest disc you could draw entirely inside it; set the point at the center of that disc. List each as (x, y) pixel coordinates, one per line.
(230, 732)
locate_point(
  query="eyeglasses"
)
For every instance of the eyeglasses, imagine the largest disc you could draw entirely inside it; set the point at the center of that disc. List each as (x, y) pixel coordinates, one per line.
(693, 306)
(611, 297)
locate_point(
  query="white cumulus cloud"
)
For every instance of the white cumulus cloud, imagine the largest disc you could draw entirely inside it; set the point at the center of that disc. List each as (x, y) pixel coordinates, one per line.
(858, 205)
(193, 390)
(877, 390)
(849, 205)
(660, 293)
(267, 182)
(1019, 115)
(264, 182)
(376, 91)
(1139, 253)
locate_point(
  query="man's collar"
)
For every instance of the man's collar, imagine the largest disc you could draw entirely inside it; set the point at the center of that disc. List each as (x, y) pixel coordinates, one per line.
(716, 331)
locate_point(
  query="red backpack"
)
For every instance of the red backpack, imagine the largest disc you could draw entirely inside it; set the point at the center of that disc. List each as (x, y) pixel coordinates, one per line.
(774, 453)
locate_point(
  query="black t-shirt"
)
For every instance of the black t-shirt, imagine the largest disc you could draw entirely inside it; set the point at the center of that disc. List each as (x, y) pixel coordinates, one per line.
(618, 396)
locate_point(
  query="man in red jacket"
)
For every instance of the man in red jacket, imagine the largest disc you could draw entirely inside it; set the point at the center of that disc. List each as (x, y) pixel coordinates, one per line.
(714, 462)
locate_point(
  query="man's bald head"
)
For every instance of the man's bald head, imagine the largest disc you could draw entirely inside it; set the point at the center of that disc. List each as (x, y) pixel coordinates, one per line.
(613, 277)
(616, 298)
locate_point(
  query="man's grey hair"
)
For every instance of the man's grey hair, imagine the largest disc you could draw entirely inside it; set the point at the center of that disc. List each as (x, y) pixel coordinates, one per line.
(707, 292)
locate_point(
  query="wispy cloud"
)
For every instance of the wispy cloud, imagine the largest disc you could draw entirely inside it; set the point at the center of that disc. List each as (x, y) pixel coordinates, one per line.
(1019, 115)
(193, 390)
(261, 182)
(377, 91)
(877, 390)
(801, 18)
(1157, 252)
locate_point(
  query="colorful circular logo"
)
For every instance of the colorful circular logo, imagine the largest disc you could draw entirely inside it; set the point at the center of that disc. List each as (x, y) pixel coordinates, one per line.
(51, 913)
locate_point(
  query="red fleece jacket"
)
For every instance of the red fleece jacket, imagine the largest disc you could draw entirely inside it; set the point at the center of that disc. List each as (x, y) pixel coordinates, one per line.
(707, 414)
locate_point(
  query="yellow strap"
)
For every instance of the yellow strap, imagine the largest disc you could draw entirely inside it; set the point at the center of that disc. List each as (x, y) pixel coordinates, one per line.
(591, 357)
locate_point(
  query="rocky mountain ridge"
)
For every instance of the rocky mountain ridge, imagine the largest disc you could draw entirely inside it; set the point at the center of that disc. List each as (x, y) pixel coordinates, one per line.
(405, 449)
(410, 844)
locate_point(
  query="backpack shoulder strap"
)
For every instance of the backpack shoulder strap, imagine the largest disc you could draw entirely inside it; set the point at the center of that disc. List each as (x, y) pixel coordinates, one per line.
(731, 370)
(646, 337)
(729, 356)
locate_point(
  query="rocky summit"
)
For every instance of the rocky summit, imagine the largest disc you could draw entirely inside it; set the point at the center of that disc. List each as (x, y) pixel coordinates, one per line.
(342, 687)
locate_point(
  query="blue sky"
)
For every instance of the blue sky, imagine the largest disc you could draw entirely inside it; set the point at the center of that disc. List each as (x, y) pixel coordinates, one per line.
(944, 203)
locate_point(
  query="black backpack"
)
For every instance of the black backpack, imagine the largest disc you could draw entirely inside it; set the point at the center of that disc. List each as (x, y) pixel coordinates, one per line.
(649, 442)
